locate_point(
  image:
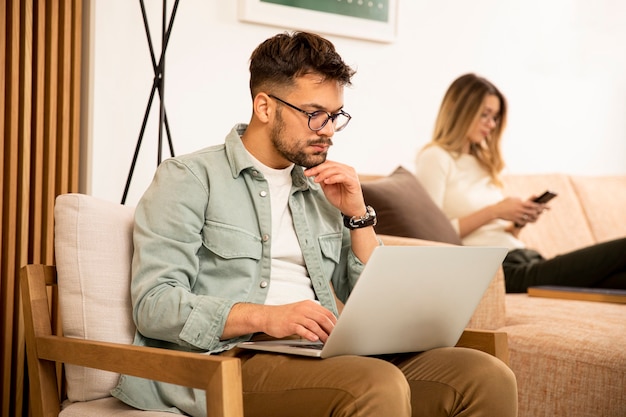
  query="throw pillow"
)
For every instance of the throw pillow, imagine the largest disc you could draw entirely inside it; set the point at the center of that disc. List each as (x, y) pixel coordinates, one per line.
(404, 208)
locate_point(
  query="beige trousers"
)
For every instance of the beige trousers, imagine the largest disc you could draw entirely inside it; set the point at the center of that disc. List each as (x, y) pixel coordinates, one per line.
(440, 382)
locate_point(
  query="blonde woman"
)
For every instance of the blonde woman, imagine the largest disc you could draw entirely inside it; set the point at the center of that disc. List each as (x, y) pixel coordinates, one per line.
(460, 170)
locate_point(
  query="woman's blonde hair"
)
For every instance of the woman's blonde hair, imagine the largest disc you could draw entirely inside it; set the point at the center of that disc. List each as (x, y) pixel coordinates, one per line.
(460, 108)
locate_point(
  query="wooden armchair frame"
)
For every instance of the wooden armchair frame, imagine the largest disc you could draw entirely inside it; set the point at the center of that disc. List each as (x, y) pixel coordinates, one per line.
(219, 376)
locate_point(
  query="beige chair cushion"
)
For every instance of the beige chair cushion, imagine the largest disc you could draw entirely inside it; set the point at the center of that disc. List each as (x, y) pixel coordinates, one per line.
(93, 244)
(107, 407)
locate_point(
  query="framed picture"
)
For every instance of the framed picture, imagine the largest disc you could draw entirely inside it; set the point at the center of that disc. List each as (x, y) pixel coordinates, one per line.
(373, 20)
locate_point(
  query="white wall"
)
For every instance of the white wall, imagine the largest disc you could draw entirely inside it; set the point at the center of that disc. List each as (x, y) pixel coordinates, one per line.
(561, 64)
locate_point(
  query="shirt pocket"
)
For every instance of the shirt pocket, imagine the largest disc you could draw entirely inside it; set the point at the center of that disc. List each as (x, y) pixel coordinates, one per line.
(229, 263)
(231, 242)
(330, 247)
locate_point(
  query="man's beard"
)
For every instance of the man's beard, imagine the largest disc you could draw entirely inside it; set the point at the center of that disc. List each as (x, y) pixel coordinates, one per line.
(291, 151)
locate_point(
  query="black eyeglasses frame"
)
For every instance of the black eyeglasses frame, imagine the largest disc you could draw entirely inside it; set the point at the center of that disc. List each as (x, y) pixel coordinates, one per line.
(329, 116)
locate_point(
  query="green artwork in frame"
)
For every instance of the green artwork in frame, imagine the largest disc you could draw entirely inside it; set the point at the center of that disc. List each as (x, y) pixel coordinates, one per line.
(377, 10)
(372, 20)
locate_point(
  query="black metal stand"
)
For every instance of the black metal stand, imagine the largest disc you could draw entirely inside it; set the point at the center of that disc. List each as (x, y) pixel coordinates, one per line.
(158, 84)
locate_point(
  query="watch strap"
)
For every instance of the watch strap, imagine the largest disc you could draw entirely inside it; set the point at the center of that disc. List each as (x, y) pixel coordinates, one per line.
(357, 222)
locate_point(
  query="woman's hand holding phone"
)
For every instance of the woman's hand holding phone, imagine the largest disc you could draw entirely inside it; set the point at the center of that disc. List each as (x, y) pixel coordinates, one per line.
(545, 197)
(541, 199)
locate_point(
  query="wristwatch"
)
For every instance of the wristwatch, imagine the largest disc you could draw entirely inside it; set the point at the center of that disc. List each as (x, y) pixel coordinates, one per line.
(357, 222)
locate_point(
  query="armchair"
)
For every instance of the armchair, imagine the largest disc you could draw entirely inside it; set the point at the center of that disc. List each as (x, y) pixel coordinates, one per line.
(219, 377)
(79, 329)
(87, 295)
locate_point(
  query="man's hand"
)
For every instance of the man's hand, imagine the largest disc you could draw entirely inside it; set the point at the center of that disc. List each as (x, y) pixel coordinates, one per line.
(341, 186)
(306, 319)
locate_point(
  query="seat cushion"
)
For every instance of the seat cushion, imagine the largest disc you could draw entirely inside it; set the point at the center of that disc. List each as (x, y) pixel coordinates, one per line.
(93, 245)
(568, 356)
(107, 407)
(405, 209)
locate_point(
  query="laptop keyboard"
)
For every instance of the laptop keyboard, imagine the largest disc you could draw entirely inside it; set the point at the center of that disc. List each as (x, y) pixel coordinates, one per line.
(317, 346)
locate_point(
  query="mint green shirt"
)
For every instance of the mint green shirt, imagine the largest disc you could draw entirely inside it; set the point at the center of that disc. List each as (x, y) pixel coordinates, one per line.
(203, 242)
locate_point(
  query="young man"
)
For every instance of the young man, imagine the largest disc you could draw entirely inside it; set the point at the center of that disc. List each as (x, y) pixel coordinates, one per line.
(249, 238)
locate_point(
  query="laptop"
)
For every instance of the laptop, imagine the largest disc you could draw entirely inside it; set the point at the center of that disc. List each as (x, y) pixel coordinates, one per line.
(407, 299)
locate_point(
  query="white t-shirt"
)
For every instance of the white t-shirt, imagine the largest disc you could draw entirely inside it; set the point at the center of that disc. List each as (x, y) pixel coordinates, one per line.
(289, 281)
(460, 186)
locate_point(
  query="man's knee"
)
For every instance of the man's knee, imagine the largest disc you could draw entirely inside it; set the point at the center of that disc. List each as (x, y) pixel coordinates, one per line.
(488, 385)
(376, 387)
(450, 381)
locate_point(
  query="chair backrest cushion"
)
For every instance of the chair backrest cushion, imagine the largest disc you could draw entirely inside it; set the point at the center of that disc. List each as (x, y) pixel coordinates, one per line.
(93, 250)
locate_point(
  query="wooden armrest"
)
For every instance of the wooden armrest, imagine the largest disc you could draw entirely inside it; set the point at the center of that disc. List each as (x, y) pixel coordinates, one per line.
(492, 342)
(219, 376)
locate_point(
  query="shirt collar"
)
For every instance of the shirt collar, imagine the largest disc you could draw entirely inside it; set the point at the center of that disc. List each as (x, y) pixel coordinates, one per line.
(239, 160)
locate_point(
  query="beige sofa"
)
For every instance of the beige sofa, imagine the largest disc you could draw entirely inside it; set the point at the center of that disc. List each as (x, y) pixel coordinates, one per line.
(569, 356)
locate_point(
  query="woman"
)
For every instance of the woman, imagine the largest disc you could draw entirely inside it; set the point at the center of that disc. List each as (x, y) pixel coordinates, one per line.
(460, 169)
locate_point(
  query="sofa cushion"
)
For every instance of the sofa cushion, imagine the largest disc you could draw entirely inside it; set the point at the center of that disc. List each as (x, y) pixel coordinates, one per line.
(405, 209)
(605, 220)
(568, 356)
(93, 245)
(561, 229)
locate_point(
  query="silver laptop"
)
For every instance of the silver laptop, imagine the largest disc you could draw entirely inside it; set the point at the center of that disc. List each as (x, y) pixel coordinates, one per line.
(408, 299)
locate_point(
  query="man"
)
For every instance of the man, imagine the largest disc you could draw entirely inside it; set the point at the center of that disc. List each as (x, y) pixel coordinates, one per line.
(248, 239)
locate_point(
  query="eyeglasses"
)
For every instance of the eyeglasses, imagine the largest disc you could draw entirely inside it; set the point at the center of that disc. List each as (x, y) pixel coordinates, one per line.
(319, 118)
(485, 117)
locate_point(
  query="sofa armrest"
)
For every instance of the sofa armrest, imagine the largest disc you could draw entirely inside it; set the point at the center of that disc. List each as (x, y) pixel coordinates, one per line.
(490, 313)
(408, 241)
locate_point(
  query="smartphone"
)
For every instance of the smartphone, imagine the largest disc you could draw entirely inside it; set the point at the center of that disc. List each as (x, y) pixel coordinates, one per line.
(545, 197)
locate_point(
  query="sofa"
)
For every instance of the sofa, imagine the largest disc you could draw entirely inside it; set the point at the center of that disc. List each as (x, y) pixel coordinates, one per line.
(569, 356)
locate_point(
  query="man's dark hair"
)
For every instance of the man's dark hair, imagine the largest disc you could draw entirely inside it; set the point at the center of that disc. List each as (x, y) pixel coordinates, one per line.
(280, 59)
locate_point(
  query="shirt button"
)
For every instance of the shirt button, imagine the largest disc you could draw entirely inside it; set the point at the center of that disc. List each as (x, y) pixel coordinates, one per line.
(263, 284)
(266, 238)
(263, 193)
